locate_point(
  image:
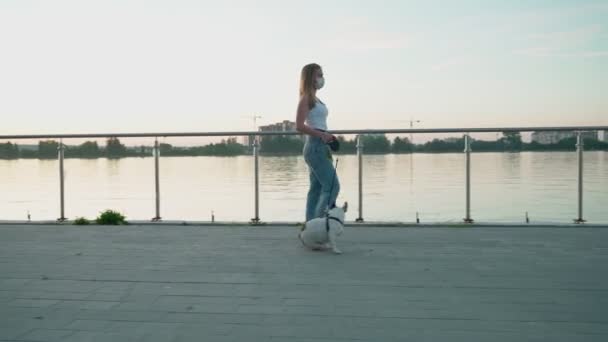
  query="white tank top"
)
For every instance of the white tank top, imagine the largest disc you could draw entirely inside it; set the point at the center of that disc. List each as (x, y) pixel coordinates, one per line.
(317, 116)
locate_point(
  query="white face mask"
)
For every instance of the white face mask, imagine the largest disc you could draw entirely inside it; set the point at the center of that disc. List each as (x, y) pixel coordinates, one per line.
(319, 83)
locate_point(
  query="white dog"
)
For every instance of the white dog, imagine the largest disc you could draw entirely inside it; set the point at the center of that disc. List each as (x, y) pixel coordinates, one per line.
(320, 233)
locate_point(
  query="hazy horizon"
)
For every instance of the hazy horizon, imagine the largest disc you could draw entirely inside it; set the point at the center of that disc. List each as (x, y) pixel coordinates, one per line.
(135, 66)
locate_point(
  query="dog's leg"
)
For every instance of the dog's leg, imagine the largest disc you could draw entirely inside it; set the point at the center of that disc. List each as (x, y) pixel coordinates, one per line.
(332, 241)
(318, 247)
(313, 246)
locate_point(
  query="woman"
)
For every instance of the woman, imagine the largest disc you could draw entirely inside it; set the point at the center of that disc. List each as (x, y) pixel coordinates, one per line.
(311, 120)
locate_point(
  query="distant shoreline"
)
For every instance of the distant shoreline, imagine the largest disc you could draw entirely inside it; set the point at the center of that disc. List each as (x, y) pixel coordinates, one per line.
(287, 146)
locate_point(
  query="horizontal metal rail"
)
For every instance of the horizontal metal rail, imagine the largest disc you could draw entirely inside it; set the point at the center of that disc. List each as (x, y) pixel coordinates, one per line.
(347, 131)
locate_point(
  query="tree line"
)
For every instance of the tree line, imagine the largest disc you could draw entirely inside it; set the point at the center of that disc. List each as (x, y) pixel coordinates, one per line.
(372, 144)
(380, 144)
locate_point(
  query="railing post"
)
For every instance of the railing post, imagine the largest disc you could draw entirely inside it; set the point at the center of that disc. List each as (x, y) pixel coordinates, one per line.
(467, 151)
(157, 179)
(61, 149)
(579, 150)
(360, 159)
(256, 147)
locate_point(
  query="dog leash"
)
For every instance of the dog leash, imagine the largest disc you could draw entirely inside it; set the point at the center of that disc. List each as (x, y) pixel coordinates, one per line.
(333, 180)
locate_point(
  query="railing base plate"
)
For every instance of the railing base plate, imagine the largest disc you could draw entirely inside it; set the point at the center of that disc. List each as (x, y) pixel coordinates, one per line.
(256, 222)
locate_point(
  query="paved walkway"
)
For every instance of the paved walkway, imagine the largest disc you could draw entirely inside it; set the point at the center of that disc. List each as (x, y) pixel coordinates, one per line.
(188, 283)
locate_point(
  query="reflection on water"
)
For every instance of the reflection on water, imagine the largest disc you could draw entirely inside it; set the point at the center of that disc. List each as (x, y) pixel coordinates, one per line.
(504, 187)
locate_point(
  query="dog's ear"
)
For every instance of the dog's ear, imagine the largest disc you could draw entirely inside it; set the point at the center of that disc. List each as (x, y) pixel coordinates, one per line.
(345, 206)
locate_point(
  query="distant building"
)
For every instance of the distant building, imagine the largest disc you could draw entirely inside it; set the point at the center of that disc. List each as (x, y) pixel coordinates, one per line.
(591, 135)
(247, 140)
(284, 126)
(546, 138)
(554, 137)
(453, 140)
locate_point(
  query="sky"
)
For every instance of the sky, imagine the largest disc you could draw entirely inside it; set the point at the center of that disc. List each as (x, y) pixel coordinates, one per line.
(180, 65)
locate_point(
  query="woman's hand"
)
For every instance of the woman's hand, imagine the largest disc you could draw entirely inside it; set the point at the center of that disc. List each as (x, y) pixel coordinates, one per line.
(326, 137)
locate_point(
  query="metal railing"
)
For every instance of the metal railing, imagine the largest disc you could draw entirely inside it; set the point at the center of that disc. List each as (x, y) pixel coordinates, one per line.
(360, 150)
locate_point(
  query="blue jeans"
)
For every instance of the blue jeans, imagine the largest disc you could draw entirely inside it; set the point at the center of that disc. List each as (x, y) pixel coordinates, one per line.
(322, 175)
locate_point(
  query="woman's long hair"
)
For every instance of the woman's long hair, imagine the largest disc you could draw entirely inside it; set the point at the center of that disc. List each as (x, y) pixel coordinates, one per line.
(307, 83)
